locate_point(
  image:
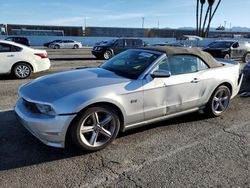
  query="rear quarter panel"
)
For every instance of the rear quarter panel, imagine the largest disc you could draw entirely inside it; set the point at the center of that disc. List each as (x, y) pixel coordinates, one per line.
(215, 77)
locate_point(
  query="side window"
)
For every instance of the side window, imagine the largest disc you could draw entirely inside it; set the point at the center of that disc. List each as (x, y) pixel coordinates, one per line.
(17, 49)
(5, 48)
(201, 65)
(183, 64)
(120, 43)
(163, 65)
(129, 43)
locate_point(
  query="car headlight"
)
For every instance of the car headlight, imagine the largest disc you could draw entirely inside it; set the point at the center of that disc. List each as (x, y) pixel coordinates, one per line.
(46, 109)
(98, 48)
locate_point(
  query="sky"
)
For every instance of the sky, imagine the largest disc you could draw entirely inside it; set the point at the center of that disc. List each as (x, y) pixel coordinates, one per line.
(119, 13)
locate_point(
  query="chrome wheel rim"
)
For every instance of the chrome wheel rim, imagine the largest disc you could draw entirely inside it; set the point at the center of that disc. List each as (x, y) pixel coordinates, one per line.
(247, 58)
(22, 71)
(97, 129)
(107, 55)
(227, 56)
(220, 101)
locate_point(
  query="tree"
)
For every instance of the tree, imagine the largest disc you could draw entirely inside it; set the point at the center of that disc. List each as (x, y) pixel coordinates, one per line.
(211, 16)
(197, 17)
(203, 31)
(201, 13)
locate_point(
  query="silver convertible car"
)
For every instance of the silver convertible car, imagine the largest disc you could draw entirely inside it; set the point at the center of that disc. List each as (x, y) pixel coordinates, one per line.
(90, 106)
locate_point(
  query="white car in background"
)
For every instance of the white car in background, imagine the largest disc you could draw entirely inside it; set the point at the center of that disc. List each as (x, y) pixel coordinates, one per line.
(20, 60)
(66, 44)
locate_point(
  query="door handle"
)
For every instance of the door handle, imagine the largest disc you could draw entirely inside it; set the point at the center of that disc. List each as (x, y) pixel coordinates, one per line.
(195, 80)
(10, 55)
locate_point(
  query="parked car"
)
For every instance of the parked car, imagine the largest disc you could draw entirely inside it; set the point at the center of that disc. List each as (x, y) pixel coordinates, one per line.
(246, 70)
(134, 88)
(174, 44)
(20, 40)
(48, 43)
(66, 44)
(108, 49)
(20, 60)
(229, 50)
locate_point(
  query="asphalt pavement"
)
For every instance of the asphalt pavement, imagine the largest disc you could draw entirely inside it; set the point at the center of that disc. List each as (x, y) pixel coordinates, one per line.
(188, 151)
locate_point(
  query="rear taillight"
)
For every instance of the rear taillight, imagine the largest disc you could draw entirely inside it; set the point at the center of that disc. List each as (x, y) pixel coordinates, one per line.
(42, 55)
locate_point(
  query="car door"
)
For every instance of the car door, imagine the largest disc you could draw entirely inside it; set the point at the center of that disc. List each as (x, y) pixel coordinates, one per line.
(181, 91)
(71, 43)
(63, 44)
(8, 56)
(243, 49)
(129, 44)
(119, 46)
(235, 50)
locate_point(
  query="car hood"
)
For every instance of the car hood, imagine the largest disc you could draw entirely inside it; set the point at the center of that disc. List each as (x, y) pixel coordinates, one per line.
(51, 88)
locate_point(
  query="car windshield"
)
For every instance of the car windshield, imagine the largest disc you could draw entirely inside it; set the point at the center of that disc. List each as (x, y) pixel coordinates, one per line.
(131, 63)
(222, 44)
(110, 42)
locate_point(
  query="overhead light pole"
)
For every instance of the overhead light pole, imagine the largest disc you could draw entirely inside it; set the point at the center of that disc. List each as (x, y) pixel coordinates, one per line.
(143, 19)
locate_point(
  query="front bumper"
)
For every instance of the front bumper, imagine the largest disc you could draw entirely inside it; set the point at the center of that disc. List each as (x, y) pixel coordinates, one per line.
(50, 130)
(97, 53)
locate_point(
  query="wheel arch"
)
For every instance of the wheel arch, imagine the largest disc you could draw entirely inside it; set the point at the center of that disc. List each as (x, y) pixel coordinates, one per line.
(32, 68)
(109, 49)
(112, 105)
(227, 84)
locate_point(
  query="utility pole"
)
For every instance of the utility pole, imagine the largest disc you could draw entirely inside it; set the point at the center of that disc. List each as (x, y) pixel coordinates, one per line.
(143, 19)
(85, 22)
(158, 24)
(225, 24)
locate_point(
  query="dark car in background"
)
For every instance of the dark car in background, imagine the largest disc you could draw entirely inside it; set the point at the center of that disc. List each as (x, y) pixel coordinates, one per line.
(229, 50)
(246, 70)
(20, 40)
(107, 49)
(48, 43)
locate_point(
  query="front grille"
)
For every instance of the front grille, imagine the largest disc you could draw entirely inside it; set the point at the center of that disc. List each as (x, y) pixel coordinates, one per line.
(30, 106)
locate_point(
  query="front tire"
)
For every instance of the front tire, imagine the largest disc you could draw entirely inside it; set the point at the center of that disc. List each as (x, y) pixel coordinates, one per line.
(107, 54)
(95, 128)
(22, 70)
(219, 101)
(75, 46)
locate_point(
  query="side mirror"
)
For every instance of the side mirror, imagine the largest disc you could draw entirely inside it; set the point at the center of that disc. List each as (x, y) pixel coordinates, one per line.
(161, 74)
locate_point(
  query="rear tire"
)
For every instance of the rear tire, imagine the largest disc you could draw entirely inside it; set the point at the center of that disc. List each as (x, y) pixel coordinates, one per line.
(219, 101)
(22, 70)
(95, 128)
(56, 47)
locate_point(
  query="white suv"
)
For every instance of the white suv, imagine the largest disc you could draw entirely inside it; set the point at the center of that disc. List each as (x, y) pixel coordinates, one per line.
(21, 60)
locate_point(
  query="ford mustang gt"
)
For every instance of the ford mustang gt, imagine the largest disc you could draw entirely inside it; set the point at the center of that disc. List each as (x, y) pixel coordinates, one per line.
(137, 87)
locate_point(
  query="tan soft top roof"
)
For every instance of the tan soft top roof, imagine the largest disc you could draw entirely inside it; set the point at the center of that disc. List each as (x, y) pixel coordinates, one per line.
(169, 50)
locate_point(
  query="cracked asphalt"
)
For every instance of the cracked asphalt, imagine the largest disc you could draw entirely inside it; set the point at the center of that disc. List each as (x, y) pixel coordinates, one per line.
(188, 151)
